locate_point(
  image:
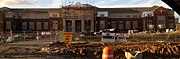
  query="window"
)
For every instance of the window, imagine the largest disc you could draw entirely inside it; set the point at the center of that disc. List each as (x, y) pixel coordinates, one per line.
(31, 17)
(161, 21)
(135, 16)
(102, 24)
(171, 23)
(55, 24)
(149, 22)
(127, 16)
(113, 24)
(8, 25)
(128, 25)
(101, 15)
(46, 26)
(24, 25)
(39, 17)
(78, 26)
(31, 25)
(68, 25)
(45, 16)
(149, 14)
(121, 25)
(88, 25)
(135, 24)
(38, 25)
(55, 15)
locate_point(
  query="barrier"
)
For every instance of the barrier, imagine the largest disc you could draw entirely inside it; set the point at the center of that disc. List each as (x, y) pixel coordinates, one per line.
(133, 55)
(107, 53)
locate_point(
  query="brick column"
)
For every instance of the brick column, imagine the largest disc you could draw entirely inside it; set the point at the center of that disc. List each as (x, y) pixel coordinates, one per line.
(82, 25)
(73, 25)
(92, 25)
(64, 25)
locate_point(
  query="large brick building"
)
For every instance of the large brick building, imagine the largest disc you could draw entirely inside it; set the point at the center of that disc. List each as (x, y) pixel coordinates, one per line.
(79, 17)
(124, 19)
(32, 19)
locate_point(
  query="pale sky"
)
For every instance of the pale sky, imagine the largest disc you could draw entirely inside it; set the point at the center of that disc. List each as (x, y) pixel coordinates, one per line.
(98, 3)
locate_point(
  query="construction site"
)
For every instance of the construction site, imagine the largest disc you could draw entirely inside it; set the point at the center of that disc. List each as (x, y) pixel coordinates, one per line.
(84, 31)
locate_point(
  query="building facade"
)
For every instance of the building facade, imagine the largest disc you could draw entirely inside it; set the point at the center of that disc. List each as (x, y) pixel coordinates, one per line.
(141, 19)
(79, 18)
(32, 20)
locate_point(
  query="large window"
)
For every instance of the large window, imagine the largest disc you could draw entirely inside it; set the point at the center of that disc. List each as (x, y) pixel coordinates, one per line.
(113, 24)
(78, 25)
(128, 25)
(46, 25)
(24, 25)
(127, 16)
(121, 25)
(88, 25)
(149, 22)
(171, 23)
(135, 24)
(8, 25)
(68, 25)
(149, 14)
(161, 19)
(135, 16)
(102, 24)
(31, 25)
(55, 24)
(101, 15)
(38, 25)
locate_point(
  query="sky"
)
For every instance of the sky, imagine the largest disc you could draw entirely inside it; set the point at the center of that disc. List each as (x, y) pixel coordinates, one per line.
(98, 3)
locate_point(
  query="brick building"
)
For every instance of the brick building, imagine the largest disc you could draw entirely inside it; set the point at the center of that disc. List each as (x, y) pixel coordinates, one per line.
(79, 17)
(32, 19)
(124, 19)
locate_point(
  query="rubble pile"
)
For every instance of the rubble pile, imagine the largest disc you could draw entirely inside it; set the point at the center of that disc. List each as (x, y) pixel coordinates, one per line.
(151, 50)
(94, 49)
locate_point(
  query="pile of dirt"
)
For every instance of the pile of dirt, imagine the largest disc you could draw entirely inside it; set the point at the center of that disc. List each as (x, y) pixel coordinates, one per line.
(94, 49)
